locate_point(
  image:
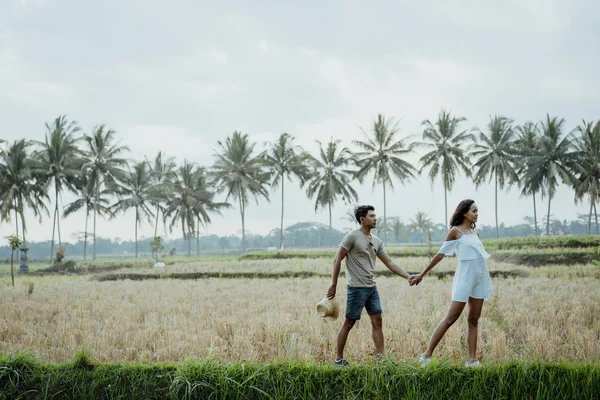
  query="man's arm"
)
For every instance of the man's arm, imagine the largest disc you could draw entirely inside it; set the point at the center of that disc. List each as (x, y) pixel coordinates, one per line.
(337, 265)
(392, 266)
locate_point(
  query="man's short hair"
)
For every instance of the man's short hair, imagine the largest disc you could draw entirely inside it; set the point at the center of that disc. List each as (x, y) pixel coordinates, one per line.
(362, 211)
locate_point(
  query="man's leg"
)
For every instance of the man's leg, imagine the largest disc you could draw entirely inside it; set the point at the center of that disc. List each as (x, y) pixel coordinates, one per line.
(377, 333)
(355, 302)
(342, 337)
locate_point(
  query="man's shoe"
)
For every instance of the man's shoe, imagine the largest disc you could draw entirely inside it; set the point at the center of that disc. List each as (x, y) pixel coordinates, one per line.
(341, 363)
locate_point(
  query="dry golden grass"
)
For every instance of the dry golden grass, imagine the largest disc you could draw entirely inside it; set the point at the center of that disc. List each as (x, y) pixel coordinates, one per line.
(317, 265)
(554, 314)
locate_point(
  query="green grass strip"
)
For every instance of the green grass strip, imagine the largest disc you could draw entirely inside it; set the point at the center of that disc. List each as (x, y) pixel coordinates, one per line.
(21, 377)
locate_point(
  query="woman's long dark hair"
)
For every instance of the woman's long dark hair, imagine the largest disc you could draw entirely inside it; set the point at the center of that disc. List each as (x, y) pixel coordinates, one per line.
(459, 214)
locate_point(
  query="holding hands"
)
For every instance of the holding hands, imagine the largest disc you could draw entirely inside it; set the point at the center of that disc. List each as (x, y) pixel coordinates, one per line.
(414, 280)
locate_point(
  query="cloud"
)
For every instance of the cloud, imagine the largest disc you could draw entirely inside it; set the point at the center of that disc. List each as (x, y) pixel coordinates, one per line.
(182, 77)
(31, 2)
(263, 46)
(441, 73)
(147, 140)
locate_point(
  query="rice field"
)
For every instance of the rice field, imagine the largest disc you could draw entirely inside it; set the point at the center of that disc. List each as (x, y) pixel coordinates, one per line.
(552, 314)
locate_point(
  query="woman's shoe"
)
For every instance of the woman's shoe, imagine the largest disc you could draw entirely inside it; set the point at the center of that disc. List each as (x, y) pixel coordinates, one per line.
(474, 364)
(423, 360)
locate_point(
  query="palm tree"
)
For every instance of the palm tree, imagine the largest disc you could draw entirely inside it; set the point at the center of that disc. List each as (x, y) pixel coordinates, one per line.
(57, 160)
(191, 201)
(383, 155)
(528, 136)
(204, 204)
(331, 180)
(422, 223)
(496, 155)
(103, 165)
(240, 173)
(447, 154)
(350, 217)
(87, 199)
(162, 177)
(21, 186)
(553, 158)
(588, 181)
(398, 228)
(284, 159)
(3, 184)
(136, 193)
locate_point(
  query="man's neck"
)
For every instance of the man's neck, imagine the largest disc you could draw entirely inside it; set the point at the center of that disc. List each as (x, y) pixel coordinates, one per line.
(366, 231)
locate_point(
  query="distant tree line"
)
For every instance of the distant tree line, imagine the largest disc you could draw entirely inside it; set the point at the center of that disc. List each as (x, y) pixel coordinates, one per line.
(299, 235)
(535, 157)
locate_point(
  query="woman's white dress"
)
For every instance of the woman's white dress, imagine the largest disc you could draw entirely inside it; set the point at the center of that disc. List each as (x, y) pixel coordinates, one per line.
(472, 278)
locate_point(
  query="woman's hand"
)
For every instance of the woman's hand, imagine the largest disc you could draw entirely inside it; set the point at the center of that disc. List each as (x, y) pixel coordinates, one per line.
(416, 279)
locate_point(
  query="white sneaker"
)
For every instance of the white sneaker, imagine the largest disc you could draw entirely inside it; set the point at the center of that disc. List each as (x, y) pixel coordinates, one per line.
(423, 360)
(474, 364)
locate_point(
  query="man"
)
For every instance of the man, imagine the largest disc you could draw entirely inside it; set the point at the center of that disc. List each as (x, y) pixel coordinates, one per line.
(360, 248)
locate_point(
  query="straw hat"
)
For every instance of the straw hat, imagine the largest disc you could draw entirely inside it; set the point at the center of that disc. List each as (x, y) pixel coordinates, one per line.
(328, 309)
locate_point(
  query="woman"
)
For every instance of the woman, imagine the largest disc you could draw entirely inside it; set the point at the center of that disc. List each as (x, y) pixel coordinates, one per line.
(471, 282)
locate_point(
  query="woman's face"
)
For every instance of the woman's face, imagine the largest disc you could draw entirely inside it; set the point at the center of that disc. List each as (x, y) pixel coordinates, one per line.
(472, 214)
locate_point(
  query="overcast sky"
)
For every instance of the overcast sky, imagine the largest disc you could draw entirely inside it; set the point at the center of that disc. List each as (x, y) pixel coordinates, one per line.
(178, 76)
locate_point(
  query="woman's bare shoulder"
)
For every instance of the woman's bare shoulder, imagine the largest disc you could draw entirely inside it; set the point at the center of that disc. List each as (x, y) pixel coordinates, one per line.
(453, 234)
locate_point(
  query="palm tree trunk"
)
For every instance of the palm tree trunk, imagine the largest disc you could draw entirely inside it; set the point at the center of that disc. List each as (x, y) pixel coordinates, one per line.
(58, 228)
(156, 223)
(85, 232)
(57, 217)
(446, 222)
(535, 216)
(12, 270)
(97, 195)
(156, 231)
(590, 217)
(136, 232)
(198, 237)
(548, 216)
(16, 223)
(53, 228)
(384, 216)
(23, 227)
(281, 224)
(243, 222)
(330, 230)
(183, 229)
(496, 201)
(596, 217)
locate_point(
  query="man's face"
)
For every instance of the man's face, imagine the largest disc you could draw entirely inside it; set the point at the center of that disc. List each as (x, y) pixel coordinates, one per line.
(370, 221)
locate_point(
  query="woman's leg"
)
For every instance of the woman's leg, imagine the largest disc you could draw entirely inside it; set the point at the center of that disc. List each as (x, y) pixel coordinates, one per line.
(450, 318)
(475, 306)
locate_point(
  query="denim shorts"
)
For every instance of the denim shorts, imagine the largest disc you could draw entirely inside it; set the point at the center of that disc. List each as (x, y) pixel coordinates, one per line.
(362, 297)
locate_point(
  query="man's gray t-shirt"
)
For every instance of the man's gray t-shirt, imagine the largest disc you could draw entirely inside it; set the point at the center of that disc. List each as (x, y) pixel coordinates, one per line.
(361, 258)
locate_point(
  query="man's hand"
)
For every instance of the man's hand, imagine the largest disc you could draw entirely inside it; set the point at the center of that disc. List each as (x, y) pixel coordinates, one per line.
(415, 279)
(331, 291)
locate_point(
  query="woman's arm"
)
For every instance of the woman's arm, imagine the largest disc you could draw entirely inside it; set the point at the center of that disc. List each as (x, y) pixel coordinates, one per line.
(451, 236)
